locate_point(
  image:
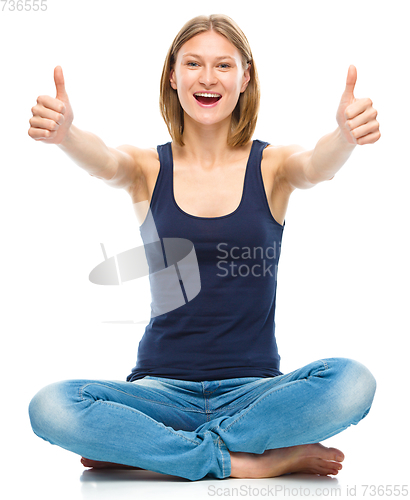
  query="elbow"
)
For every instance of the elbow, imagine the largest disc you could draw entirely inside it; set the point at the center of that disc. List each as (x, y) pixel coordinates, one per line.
(107, 175)
(110, 171)
(314, 177)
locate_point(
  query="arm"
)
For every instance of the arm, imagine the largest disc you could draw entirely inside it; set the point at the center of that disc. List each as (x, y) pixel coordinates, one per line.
(89, 152)
(357, 126)
(305, 169)
(116, 166)
(52, 124)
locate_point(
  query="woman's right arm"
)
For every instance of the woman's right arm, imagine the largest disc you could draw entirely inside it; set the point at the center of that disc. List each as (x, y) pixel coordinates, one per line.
(52, 123)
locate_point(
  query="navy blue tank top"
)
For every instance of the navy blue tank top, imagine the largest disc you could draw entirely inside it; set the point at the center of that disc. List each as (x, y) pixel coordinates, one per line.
(228, 329)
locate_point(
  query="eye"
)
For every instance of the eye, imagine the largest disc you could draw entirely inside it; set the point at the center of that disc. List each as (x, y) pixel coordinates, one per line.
(225, 64)
(191, 63)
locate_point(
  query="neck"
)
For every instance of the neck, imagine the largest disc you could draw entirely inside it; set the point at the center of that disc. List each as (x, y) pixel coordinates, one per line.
(205, 146)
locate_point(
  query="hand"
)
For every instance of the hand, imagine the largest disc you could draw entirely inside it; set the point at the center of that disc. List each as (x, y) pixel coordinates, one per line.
(357, 117)
(52, 117)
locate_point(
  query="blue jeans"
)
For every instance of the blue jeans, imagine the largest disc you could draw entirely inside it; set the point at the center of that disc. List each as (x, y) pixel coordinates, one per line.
(187, 429)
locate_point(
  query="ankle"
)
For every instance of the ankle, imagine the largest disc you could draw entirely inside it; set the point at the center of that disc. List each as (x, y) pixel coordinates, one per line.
(242, 464)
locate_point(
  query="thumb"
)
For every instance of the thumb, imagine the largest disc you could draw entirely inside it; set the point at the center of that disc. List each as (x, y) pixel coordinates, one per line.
(350, 81)
(59, 81)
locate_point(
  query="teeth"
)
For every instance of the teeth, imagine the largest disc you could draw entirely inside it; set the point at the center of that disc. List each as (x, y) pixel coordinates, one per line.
(203, 94)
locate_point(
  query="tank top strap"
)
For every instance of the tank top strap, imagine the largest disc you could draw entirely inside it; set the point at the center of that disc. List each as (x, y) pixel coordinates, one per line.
(165, 175)
(254, 190)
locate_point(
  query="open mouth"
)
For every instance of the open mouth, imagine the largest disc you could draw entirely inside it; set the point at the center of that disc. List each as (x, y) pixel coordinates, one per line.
(207, 98)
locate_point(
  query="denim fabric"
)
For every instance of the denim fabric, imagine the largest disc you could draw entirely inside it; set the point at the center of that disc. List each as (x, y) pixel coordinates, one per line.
(187, 429)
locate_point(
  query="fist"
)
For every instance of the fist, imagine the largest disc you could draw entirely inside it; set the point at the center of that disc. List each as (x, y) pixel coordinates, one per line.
(52, 117)
(357, 117)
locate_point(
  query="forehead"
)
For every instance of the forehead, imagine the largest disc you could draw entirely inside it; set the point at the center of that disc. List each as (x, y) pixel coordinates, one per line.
(209, 44)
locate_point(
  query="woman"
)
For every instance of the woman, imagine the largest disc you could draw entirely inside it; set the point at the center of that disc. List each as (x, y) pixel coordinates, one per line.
(207, 396)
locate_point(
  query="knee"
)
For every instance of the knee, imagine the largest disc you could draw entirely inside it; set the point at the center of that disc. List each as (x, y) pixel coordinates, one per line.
(356, 387)
(47, 410)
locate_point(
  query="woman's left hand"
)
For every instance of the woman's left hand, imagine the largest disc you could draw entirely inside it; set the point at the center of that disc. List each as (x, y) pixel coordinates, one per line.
(357, 117)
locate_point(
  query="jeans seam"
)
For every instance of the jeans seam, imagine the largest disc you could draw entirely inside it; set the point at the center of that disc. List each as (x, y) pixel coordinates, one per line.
(319, 374)
(210, 392)
(136, 397)
(223, 461)
(147, 417)
(260, 401)
(243, 404)
(231, 407)
(326, 367)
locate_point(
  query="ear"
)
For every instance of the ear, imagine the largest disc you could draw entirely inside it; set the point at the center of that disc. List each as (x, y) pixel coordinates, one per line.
(246, 78)
(172, 79)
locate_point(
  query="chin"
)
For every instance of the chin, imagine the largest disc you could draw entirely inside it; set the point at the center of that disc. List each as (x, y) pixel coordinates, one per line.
(210, 120)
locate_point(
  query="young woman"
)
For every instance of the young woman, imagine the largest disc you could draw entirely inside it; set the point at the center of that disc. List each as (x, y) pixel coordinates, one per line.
(207, 396)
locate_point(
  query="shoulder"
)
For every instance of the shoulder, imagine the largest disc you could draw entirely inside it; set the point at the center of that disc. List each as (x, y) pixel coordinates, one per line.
(144, 162)
(277, 157)
(140, 156)
(281, 153)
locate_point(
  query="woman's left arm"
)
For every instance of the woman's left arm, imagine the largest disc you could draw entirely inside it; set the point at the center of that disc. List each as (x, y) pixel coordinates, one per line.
(357, 126)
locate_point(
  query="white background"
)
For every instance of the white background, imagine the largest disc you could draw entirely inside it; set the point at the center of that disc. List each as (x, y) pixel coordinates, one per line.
(343, 274)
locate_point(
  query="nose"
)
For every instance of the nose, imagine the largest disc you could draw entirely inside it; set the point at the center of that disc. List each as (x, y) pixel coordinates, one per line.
(207, 76)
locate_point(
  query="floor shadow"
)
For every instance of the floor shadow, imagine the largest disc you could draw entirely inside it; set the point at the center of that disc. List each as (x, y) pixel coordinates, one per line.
(101, 475)
(309, 478)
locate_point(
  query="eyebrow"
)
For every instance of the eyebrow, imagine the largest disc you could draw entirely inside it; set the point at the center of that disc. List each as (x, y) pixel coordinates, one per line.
(199, 57)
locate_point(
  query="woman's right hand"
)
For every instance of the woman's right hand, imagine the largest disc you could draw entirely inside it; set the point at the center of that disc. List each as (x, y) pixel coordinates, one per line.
(52, 117)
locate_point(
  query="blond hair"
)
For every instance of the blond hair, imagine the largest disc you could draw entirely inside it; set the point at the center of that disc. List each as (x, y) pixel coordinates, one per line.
(245, 114)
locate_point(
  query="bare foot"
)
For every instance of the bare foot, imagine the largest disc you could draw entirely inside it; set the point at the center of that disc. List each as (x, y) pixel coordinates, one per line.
(105, 465)
(306, 458)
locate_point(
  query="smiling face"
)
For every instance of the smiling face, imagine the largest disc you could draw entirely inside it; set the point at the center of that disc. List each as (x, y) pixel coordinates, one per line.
(209, 63)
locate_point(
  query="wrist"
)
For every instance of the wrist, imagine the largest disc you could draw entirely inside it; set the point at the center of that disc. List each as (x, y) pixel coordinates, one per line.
(341, 138)
(68, 138)
(329, 155)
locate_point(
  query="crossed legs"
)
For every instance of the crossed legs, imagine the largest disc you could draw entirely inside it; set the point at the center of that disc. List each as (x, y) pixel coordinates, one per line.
(266, 427)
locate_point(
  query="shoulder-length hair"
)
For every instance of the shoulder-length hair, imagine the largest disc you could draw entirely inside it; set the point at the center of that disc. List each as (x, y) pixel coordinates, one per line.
(245, 114)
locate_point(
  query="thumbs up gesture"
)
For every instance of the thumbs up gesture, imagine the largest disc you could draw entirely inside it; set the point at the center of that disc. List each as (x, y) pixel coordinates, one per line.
(52, 116)
(357, 117)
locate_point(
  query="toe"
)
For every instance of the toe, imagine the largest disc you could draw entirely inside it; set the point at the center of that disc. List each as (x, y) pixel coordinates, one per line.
(337, 455)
